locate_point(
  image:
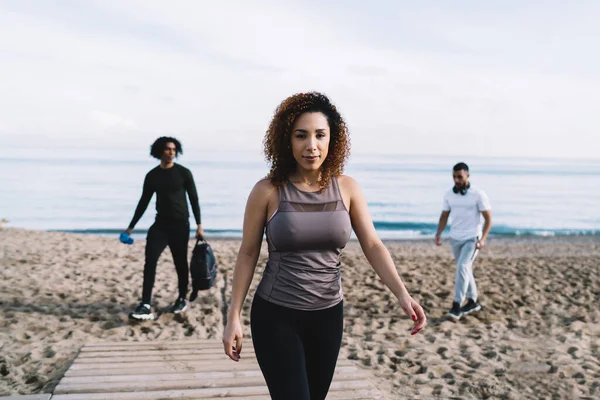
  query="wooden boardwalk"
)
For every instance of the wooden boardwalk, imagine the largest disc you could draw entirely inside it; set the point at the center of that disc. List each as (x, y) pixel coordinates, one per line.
(185, 369)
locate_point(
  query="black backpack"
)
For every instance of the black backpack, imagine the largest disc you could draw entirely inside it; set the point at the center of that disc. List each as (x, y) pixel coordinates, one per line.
(203, 268)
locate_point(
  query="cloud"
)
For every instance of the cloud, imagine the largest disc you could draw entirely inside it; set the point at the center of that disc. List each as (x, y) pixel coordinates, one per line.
(498, 78)
(113, 122)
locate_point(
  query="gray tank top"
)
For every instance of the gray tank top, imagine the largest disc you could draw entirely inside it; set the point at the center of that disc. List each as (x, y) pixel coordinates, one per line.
(306, 235)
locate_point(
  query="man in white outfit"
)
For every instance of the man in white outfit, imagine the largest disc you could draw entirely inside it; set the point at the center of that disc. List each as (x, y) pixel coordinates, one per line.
(467, 204)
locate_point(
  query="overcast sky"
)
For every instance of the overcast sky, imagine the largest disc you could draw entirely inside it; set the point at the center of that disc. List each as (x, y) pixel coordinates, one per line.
(485, 78)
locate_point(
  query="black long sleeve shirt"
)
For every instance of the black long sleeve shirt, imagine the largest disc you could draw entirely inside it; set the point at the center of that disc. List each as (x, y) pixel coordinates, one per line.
(170, 186)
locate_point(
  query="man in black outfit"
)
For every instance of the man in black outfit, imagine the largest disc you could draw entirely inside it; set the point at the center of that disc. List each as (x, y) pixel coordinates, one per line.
(171, 227)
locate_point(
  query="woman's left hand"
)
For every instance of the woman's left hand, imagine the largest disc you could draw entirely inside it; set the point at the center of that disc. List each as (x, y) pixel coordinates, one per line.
(415, 312)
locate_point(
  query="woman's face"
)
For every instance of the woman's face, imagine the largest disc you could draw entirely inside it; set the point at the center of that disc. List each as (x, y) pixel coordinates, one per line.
(310, 140)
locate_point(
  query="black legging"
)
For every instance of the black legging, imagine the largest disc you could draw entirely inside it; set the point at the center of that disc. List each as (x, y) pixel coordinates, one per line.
(296, 350)
(176, 235)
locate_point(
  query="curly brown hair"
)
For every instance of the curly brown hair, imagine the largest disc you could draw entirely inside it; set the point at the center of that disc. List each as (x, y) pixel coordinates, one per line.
(278, 151)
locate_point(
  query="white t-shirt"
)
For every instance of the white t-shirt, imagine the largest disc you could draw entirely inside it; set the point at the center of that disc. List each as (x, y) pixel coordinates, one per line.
(465, 212)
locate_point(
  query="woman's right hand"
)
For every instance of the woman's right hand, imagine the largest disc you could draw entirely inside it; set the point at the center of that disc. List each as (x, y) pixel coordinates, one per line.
(233, 336)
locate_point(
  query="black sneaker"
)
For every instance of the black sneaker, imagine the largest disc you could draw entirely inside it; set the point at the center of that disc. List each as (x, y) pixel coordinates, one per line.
(454, 311)
(471, 306)
(143, 312)
(179, 306)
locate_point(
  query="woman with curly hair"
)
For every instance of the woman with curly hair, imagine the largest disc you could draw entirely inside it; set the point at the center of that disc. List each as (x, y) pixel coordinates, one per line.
(307, 209)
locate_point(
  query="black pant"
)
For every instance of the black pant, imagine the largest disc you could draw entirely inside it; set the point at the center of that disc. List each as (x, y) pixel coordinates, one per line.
(296, 350)
(175, 234)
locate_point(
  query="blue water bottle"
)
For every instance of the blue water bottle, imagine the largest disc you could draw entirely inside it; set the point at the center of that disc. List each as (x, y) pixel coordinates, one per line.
(125, 238)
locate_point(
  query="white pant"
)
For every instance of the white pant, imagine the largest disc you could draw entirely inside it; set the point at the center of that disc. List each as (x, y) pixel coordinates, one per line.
(464, 284)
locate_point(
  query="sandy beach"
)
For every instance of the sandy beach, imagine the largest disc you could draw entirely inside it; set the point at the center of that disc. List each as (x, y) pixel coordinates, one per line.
(537, 337)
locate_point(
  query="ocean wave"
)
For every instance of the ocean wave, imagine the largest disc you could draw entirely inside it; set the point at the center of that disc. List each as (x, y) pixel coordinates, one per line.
(385, 228)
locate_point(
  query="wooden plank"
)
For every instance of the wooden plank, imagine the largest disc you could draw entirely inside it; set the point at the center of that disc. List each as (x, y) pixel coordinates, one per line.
(199, 393)
(242, 392)
(172, 346)
(360, 394)
(158, 357)
(156, 364)
(159, 376)
(241, 366)
(148, 385)
(348, 395)
(116, 387)
(357, 394)
(159, 344)
(122, 353)
(264, 397)
(260, 397)
(182, 365)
